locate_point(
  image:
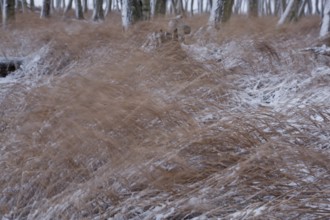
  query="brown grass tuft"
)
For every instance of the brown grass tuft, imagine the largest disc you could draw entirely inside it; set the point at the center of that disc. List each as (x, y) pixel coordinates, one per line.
(98, 128)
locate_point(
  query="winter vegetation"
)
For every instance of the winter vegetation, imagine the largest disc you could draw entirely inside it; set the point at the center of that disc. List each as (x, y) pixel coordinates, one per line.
(165, 110)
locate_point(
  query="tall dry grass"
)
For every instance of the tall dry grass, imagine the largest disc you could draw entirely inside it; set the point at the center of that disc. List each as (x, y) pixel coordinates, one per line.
(98, 128)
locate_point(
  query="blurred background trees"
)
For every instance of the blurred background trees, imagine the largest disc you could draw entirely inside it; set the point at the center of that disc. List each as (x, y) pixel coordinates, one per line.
(220, 11)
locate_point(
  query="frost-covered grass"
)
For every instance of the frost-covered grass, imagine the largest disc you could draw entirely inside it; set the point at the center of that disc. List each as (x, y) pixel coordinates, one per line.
(233, 124)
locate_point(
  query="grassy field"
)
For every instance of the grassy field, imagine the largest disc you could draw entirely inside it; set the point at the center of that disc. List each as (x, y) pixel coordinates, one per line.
(231, 124)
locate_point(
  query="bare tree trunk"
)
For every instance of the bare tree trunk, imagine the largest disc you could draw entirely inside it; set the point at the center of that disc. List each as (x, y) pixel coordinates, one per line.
(85, 6)
(301, 9)
(45, 11)
(317, 7)
(200, 6)
(287, 11)
(227, 10)
(79, 10)
(238, 6)
(127, 13)
(179, 7)
(326, 20)
(8, 12)
(1, 9)
(58, 4)
(146, 9)
(98, 13)
(173, 6)
(152, 8)
(209, 5)
(216, 12)
(309, 7)
(108, 4)
(32, 5)
(68, 6)
(192, 7)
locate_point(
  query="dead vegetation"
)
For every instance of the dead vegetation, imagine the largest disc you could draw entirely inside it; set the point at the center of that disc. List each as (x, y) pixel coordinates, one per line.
(109, 130)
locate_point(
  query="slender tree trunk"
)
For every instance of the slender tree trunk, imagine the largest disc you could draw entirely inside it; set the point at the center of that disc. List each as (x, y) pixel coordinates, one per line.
(58, 5)
(227, 10)
(192, 7)
(98, 13)
(45, 11)
(1, 9)
(287, 11)
(152, 8)
(238, 6)
(8, 12)
(79, 10)
(146, 9)
(301, 9)
(200, 6)
(216, 12)
(127, 13)
(107, 9)
(326, 20)
(179, 7)
(68, 7)
(32, 5)
(209, 5)
(173, 7)
(309, 7)
(85, 6)
(317, 7)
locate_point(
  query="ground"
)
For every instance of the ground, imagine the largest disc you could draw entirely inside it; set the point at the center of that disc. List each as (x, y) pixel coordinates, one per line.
(230, 124)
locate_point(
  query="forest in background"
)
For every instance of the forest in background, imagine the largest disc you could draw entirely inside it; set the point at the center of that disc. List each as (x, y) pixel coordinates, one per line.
(139, 10)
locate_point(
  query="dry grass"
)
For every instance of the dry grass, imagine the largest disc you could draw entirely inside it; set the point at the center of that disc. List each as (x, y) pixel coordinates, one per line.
(108, 130)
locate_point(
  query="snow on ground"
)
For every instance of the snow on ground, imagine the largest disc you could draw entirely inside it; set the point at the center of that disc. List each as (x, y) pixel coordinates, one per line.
(237, 151)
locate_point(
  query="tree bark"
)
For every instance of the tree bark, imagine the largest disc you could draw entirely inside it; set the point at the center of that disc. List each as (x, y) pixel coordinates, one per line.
(287, 11)
(227, 10)
(98, 13)
(152, 8)
(127, 13)
(108, 7)
(216, 12)
(85, 6)
(200, 6)
(8, 11)
(326, 20)
(68, 7)
(146, 9)
(79, 10)
(45, 11)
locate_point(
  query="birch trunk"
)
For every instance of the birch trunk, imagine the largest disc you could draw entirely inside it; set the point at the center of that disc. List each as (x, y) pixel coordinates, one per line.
(152, 8)
(8, 11)
(326, 20)
(108, 5)
(286, 12)
(98, 13)
(127, 14)
(215, 14)
(79, 10)
(68, 6)
(227, 10)
(45, 11)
